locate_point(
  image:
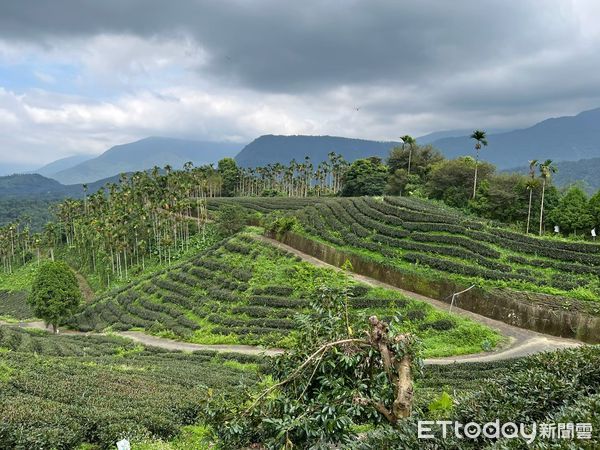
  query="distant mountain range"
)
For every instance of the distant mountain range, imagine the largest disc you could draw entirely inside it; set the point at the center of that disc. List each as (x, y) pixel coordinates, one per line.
(561, 139)
(437, 135)
(49, 170)
(283, 149)
(143, 155)
(33, 185)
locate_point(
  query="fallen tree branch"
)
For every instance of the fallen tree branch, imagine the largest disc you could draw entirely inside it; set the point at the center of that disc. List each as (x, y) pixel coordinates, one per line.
(299, 370)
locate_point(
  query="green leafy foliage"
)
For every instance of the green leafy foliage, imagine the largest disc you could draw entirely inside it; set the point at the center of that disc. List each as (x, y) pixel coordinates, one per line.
(61, 391)
(424, 237)
(55, 293)
(572, 214)
(322, 387)
(14, 305)
(365, 177)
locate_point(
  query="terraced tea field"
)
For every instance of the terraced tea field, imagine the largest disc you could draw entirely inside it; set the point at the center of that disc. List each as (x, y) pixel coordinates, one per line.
(248, 292)
(420, 236)
(262, 205)
(61, 391)
(14, 305)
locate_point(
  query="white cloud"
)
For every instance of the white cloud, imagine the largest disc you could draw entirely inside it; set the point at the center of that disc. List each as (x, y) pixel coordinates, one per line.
(239, 72)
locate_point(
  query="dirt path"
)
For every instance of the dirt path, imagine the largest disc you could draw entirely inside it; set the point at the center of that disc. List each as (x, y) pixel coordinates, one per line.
(155, 341)
(520, 342)
(84, 287)
(169, 344)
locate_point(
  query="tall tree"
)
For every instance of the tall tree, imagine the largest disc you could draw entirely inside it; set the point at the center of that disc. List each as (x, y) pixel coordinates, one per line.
(408, 141)
(365, 177)
(55, 293)
(531, 184)
(230, 174)
(423, 160)
(594, 207)
(547, 168)
(572, 213)
(451, 180)
(480, 140)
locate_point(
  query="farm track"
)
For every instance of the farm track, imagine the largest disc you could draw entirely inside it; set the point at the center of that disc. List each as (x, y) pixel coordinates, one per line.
(519, 342)
(155, 341)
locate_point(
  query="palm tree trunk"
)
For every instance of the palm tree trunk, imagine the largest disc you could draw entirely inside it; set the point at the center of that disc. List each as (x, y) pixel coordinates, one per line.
(529, 209)
(409, 158)
(475, 177)
(542, 207)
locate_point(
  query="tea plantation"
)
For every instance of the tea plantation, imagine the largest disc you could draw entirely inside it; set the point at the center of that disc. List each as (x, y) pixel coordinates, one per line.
(62, 391)
(245, 291)
(423, 237)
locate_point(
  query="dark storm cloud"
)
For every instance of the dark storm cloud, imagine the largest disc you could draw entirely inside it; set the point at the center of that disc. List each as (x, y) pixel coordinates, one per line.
(80, 75)
(290, 46)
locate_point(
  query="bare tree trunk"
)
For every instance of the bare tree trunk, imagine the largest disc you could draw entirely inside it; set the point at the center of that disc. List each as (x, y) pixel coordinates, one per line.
(475, 178)
(529, 210)
(542, 206)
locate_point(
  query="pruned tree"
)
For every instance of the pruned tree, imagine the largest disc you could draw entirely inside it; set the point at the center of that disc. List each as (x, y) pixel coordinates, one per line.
(332, 380)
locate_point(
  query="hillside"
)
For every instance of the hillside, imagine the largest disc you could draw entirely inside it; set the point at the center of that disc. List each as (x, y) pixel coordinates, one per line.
(35, 186)
(30, 185)
(561, 139)
(416, 234)
(145, 154)
(243, 291)
(272, 149)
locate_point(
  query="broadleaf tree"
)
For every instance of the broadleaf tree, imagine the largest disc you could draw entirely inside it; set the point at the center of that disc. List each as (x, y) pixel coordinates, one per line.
(55, 293)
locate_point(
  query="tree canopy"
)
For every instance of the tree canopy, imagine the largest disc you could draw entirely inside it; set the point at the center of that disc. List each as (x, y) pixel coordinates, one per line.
(365, 177)
(452, 180)
(55, 294)
(230, 175)
(572, 213)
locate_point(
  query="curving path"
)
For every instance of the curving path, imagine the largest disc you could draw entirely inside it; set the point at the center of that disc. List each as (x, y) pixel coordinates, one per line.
(155, 341)
(520, 342)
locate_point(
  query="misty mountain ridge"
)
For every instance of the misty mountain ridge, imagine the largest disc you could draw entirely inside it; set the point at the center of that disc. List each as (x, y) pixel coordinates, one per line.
(145, 154)
(32, 185)
(585, 172)
(62, 164)
(568, 138)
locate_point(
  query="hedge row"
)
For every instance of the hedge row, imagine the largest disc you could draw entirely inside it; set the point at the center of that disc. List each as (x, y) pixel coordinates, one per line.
(462, 269)
(539, 250)
(461, 241)
(227, 321)
(548, 263)
(263, 311)
(277, 302)
(278, 291)
(14, 304)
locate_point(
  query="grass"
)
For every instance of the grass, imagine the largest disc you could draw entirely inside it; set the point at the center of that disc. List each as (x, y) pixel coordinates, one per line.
(20, 280)
(192, 437)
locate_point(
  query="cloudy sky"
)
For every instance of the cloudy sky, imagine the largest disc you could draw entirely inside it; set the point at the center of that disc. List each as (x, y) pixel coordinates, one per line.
(78, 76)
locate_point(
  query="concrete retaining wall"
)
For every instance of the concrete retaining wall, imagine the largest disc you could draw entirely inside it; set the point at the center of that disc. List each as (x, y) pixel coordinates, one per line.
(538, 312)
